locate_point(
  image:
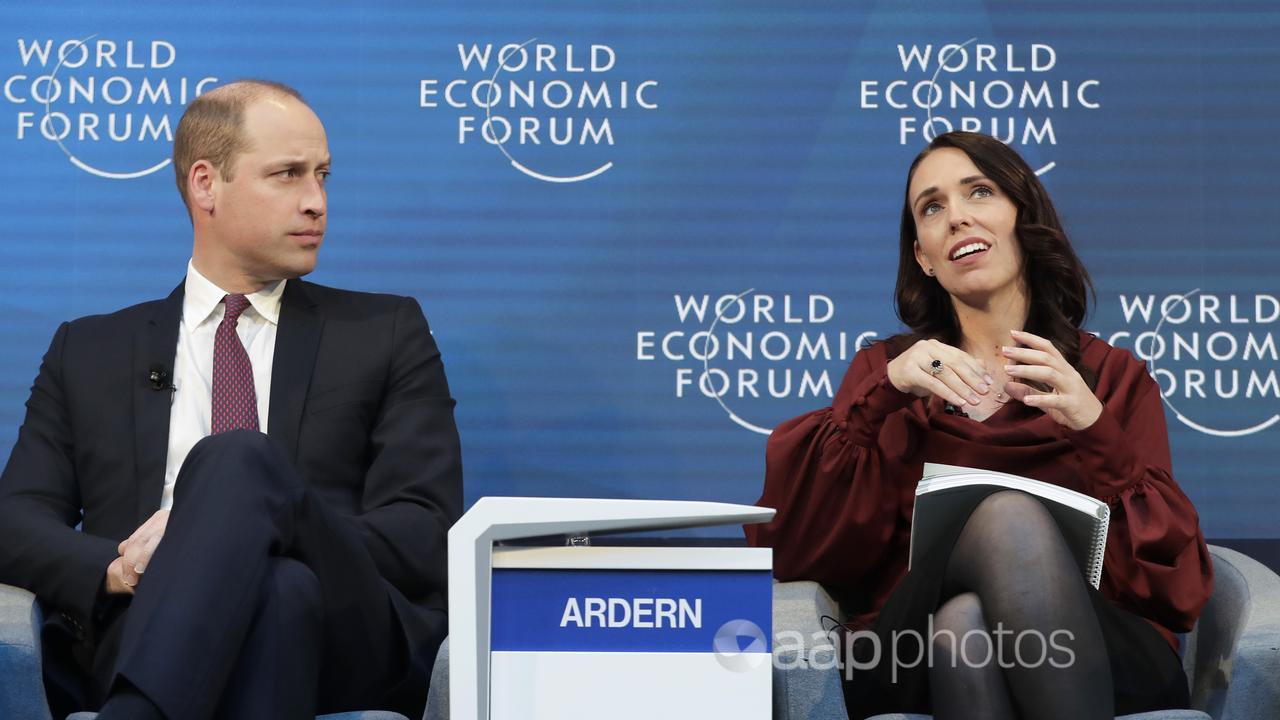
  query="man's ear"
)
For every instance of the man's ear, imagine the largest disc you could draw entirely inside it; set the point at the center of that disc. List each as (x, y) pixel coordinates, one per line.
(202, 184)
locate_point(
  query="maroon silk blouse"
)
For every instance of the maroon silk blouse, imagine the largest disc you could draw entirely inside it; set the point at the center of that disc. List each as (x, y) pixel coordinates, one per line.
(843, 481)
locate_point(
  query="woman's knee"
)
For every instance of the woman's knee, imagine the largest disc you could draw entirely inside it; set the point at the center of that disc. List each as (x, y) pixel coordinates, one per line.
(1010, 540)
(959, 630)
(962, 612)
(1015, 521)
(1011, 504)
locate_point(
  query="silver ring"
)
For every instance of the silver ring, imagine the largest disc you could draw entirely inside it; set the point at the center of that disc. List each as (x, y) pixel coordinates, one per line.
(935, 368)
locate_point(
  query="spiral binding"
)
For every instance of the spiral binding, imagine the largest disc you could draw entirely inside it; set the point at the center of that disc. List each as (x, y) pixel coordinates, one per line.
(1099, 544)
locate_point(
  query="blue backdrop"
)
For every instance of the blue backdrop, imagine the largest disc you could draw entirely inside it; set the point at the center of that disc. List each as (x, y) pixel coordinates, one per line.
(570, 210)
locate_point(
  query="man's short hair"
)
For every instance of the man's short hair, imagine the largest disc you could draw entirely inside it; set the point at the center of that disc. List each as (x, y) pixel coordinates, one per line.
(212, 128)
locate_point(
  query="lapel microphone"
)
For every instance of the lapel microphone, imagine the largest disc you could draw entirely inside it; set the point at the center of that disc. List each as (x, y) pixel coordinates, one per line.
(159, 378)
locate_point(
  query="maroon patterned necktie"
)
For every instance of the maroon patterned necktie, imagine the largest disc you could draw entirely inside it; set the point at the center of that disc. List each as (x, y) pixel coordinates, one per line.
(235, 405)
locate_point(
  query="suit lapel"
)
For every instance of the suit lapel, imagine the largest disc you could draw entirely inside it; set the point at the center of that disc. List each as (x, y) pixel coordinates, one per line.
(155, 345)
(297, 341)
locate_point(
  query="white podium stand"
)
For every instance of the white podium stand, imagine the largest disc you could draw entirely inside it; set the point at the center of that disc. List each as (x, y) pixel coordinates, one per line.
(585, 632)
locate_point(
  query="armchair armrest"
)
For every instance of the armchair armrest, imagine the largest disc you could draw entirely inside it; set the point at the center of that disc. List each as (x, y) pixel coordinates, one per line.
(806, 674)
(1243, 616)
(438, 695)
(21, 678)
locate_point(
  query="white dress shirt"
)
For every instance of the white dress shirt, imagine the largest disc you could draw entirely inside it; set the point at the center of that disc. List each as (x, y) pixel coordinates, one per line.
(190, 413)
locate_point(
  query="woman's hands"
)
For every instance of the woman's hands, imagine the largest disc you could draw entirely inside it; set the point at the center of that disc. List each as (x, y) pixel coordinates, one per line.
(962, 378)
(1071, 403)
(959, 378)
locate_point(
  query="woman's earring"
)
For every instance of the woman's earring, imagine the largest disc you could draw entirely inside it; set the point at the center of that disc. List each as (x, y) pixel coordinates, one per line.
(929, 272)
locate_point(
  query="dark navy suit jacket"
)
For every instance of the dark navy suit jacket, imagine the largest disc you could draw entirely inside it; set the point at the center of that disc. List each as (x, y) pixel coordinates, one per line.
(359, 401)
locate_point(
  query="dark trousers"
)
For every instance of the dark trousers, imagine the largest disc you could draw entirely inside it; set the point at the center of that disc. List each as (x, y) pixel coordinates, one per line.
(260, 601)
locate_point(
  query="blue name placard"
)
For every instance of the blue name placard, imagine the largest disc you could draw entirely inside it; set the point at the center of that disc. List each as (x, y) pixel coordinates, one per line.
(631, 610)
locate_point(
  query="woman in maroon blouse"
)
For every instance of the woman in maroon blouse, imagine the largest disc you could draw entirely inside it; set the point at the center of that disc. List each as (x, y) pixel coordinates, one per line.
(995, 374)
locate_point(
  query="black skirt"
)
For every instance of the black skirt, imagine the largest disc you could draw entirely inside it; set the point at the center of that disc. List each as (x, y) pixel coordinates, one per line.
(1146, 672)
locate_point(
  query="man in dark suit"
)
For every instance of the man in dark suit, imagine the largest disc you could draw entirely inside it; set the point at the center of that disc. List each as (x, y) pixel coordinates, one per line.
(221, 571)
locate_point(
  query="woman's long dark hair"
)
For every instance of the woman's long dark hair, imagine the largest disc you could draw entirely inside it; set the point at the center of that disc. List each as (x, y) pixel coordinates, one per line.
(1058, 286)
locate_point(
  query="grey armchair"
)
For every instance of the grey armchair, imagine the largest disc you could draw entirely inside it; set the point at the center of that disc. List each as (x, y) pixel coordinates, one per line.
(1232, 656)
(21, 684)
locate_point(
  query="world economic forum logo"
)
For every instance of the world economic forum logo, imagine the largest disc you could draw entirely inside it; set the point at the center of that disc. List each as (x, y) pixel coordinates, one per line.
(553, 112)
(1214, 355)
(761, 356)
(1014, 92)
(740, 645)
(110, 106)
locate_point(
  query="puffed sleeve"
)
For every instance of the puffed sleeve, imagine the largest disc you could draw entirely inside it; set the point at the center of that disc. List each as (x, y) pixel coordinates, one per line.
(825, 473)
(1156, 561)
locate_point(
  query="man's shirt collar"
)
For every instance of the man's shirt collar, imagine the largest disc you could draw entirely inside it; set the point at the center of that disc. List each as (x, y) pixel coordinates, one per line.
(201, 297)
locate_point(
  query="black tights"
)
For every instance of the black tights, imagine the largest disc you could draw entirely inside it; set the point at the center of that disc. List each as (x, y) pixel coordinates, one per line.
(1016, 634)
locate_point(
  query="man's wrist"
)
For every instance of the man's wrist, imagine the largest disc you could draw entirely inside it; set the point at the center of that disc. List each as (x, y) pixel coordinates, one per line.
(113, 582)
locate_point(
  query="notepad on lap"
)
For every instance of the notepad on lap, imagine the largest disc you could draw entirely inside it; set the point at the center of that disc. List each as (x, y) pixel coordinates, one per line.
(947, 490)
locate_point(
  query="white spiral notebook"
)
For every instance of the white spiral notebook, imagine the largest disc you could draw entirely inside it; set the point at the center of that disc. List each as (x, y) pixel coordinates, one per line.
(1083, 520)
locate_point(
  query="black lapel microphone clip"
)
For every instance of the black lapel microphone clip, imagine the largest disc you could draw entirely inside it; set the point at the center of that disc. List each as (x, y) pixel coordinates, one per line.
(159, 379)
